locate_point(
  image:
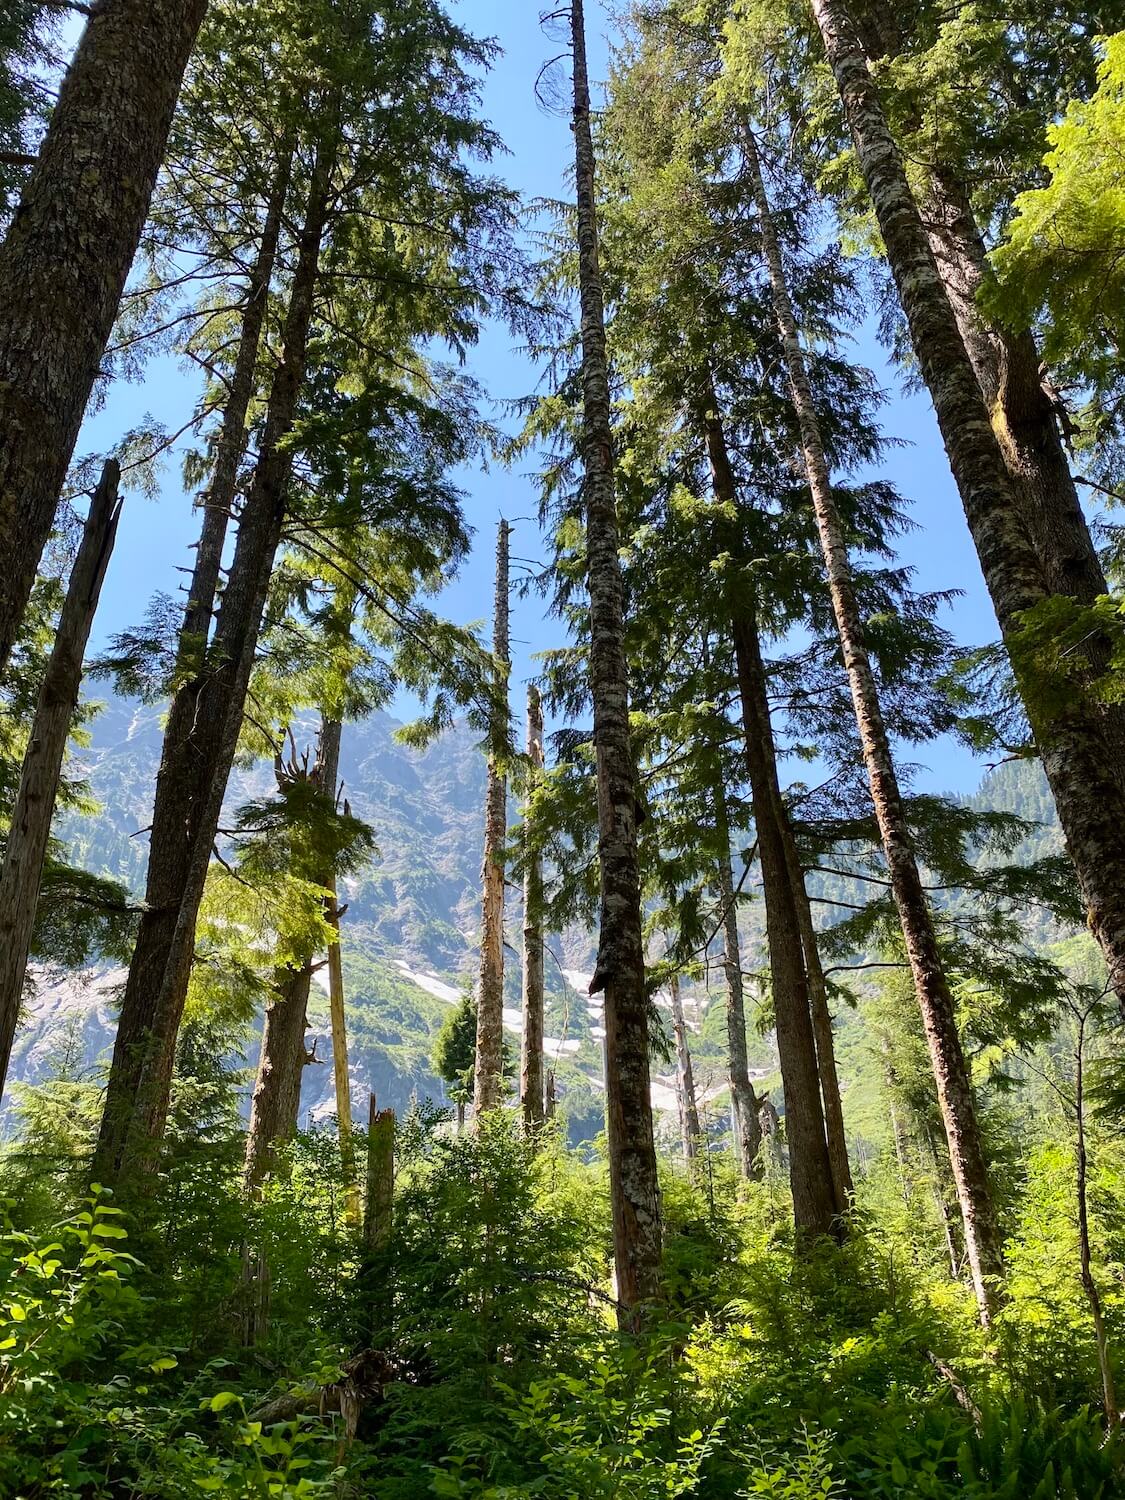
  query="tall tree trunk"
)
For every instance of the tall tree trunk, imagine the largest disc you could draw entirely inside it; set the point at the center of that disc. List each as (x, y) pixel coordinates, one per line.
(815, 1209)
(954, 1086)
(26, 849)
(1077, 756)
(745, 1104)
(340, 1072)
(1006, 363)
(199, 746)
(66, 256)
(488, 1069)
(620, 967)
(531, 1046)
(217, 503)
(276, 1100)
(842, 1183)
(690, 1132)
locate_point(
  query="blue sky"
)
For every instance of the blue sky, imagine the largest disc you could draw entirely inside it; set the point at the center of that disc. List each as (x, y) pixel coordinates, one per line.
(156, 536)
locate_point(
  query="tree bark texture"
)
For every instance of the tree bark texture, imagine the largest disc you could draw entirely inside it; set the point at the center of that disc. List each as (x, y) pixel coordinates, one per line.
(951, 1073)
(690, 1132)
(340, 1073)
(1077, 755)
(276, 1101)
(842, 1184)
(379, 1206)
(745, 1104)
(26, 849)
(815, 1210)
(531, 1045)
(66, 257)
(217, 503)
(488, 1069)
(620, 969)
(199, 745)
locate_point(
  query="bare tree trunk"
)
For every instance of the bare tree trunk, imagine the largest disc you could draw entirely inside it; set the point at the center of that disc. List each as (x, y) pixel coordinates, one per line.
(745, 1105)
(217, 503)
(379, 1207)
(842, 1183)
(1077, 757)
(954, 1086)
(276, 1101)
(815, 1210)
(26, 849)
(199, 746)
(341, 1077)
(620, 968)
(531, 1047)
(1089, 1285)
(66, 256)
(690, 1132)
(488, 1070)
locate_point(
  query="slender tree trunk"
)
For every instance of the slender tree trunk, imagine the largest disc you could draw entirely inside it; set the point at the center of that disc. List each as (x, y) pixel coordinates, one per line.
(620, 968)
(488, 1069)
(815, 1210)
(690, 1132)
(276, 1102)
(1077, 756)
(340, 1072)
(26, 849)
(745, 1105)
(199, 746)
(842, 1183)
(66, 256)
(217, 503)
(1089, 1285)
(379, 1207)
(531, 1047)
(954, 1086)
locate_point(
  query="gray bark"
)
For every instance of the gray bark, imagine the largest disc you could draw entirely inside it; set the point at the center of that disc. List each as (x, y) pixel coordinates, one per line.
(66, 257)
(199, 745)
(685, 1078)
(531, 1046)
(26, 849)
(620, 969)
(488, 1069)
(1077, 755)
(745, 1106)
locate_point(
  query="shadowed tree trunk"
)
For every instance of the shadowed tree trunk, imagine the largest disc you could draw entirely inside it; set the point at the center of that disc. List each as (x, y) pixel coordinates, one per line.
(276, 1100)
(199, 746)
(1077, 756)
(26, 849)
(822, 1028)
(531, 1046)
(745, 1105)
(488, 1070)
(217, 503)
(955, 1094)
(66, 256)
(815, 1209)
(620, 969)
(340, 1071)
(685, 1078)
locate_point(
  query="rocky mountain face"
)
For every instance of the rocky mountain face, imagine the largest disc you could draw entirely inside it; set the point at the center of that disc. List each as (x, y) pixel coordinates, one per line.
(411, 927)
